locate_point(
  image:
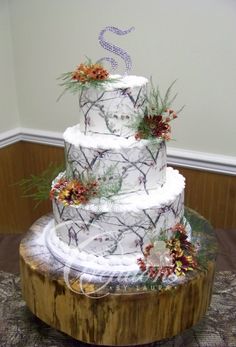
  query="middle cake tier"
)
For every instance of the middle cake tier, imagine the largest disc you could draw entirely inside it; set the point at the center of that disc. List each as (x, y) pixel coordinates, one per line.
(129, 164)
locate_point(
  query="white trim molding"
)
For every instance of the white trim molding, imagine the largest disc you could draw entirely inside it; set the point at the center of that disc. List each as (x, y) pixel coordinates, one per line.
(175, 156)
(42, 136)
(31, 135)
(202, 160)
(9, 137)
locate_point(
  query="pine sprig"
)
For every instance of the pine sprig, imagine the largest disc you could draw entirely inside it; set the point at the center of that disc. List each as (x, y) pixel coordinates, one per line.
(156, 104)
(109, 183)
(38, 187)
(110, 189)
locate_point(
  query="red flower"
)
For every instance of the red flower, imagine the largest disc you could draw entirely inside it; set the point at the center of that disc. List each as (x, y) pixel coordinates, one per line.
(153, 126)
(156, 125)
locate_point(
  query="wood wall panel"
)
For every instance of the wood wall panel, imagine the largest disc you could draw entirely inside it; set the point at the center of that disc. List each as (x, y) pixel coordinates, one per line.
(36, 159)
(14, 210)
(16, 162)
(212, 195)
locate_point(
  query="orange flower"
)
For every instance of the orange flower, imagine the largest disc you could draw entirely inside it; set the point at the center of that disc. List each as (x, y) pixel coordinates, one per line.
(90, 72)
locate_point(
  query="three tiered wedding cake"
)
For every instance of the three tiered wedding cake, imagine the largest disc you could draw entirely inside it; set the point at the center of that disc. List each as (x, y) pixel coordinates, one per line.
(118, 208)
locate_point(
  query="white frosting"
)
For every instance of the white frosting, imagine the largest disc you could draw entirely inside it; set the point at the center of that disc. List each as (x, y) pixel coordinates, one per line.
(122, 82)
(74, 136)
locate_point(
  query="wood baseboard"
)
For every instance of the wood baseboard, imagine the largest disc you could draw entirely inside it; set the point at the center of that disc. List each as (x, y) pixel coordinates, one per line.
(211, 194)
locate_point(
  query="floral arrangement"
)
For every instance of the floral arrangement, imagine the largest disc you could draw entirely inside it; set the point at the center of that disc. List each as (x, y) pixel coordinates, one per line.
(156, 126)
(74, 192)
(178, 256)
(154, 122)
(80, 190)
(85, 75)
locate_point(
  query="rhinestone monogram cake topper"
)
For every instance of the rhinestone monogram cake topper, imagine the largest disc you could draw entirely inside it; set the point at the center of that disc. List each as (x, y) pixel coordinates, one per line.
(115, 49)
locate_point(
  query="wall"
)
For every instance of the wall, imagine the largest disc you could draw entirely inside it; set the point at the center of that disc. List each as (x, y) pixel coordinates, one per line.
(192, 41)
(9, 117)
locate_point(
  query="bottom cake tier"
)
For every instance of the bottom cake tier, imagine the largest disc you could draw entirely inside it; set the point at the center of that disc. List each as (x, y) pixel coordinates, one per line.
(113, 234)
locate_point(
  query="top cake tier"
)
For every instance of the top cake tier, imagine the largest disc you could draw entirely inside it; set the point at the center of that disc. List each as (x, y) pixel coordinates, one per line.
(112, 108)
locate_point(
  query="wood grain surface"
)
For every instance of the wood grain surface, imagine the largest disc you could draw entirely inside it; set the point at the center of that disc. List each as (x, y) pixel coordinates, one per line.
(116, 319)
(212, 195)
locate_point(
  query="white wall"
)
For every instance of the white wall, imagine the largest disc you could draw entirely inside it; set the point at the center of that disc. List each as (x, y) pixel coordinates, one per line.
(191, 40)
(9, 117)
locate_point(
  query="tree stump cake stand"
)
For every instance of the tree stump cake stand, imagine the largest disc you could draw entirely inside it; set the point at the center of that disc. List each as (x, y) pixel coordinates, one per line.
(118, 314)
